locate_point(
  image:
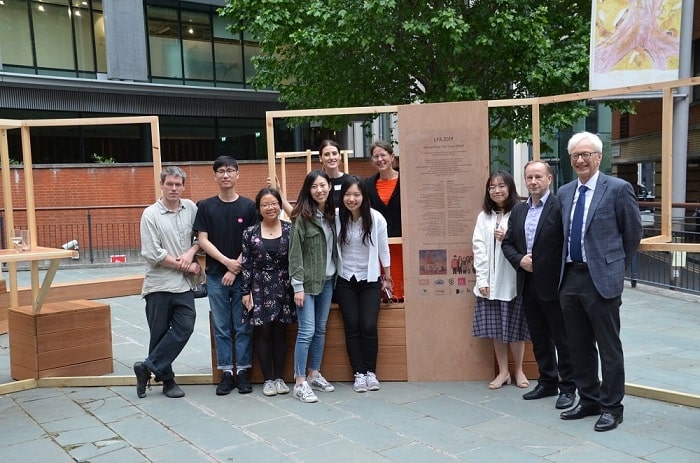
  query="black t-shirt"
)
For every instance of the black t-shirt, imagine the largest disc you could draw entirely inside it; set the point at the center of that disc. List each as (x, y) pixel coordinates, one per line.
(336, 184)
(224, 223)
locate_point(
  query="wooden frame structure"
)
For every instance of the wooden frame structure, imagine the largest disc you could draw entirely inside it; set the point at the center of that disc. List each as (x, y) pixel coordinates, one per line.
(662, 242)
(36, 253)
(283, 156)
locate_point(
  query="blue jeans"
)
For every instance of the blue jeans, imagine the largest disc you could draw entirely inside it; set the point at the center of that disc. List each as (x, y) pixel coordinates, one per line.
(227, 314)
(170, 319)
(311, 335)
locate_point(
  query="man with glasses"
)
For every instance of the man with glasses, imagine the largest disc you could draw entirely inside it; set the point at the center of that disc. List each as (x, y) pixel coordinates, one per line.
(220, 223)
(602, 228)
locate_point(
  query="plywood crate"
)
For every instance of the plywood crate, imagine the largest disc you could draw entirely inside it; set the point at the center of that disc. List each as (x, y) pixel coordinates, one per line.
(70, 338)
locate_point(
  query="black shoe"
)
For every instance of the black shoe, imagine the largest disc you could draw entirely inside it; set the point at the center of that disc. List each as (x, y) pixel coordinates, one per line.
(540, 392)
(580, 411)
(226, 385)
(607, 422)
(172, 390)
(244, 386)
(565, 400)
(143, 377)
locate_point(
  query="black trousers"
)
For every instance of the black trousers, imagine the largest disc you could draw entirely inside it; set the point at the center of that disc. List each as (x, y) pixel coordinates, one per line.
(170, 319)
(549, 339)
(359, 305)
(593, 326)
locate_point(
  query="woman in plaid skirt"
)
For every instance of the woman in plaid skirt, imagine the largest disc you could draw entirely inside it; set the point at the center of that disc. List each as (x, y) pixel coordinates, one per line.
(498, 313)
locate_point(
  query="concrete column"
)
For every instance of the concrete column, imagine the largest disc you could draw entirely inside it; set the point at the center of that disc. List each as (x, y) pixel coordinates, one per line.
(125, 40)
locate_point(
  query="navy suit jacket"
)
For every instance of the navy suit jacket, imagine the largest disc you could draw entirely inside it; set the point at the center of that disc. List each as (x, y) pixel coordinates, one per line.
(612, 231)
(546, 247)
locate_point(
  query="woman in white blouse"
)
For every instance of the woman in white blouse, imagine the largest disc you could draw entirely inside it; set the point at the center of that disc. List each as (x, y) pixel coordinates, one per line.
(363, 246)
(498, 313)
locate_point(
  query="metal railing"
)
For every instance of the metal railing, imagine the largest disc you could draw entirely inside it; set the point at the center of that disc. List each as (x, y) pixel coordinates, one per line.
(668, 269)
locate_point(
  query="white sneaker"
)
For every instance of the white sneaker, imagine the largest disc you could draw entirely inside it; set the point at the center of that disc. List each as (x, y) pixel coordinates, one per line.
(269, 388)
(320, 384)
(360, 383)
(304, 393)
(372, 381)
(281, 386)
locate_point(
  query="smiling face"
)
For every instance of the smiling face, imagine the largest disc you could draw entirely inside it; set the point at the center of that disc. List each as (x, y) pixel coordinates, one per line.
(353, 200)
(498, 191)
(382, 159)
(585, 168)
(319, 191)
(269, 207)
(330, 158)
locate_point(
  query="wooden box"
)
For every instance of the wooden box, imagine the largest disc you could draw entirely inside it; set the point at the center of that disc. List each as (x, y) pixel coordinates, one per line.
(391, 358)
(71, 338)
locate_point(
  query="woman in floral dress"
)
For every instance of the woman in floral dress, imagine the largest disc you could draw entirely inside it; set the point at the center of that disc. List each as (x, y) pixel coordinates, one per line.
(267, 293)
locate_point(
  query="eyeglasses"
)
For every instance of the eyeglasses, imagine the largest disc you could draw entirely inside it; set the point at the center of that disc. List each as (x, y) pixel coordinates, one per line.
(493, 188)
(270, 205)
(380, 156)
(222, 172)
(585, 155)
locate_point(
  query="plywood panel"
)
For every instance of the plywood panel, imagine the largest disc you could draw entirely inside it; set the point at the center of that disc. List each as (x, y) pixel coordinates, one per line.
(66, 338)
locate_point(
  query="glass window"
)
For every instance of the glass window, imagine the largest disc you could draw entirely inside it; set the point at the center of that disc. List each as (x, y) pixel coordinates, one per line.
(100, 48)
(228, 53)
(197, 46)
(53, 35)
(84, 44)
(14, 30)
(250, 49)
(164, 42)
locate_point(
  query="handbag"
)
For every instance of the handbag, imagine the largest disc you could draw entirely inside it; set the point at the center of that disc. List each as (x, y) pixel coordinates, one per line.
(199, 287)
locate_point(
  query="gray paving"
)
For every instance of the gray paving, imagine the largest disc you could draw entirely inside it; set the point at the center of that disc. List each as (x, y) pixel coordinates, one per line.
(406, 422)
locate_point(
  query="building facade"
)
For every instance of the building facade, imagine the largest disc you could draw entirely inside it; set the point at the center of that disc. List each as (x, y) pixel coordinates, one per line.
(106, 58)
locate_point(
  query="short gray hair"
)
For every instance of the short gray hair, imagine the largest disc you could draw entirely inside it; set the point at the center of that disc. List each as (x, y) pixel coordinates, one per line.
(172, 171)
(591, 137)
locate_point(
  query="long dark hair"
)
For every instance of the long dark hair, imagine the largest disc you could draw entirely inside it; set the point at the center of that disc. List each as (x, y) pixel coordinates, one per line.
(306, 205)
(489, 205)
(266, 191)
(345, 215)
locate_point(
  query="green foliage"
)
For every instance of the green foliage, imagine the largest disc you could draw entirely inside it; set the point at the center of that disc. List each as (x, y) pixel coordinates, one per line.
(344, 53)
(103, 159)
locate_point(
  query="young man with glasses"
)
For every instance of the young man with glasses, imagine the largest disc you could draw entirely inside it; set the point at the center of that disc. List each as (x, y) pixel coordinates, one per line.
(220, 223)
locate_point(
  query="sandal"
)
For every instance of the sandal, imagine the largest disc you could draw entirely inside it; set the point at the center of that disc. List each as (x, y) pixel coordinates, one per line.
(499, 382)
(521, 380)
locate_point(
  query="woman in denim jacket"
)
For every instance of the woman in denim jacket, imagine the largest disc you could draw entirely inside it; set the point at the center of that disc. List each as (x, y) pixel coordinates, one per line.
(313, 261)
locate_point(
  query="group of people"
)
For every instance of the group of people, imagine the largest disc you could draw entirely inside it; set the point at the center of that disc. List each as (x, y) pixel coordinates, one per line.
(551, 270)
(264, 273)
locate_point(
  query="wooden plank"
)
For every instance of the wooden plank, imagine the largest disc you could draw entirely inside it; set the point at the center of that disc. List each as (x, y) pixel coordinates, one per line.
(103, 288)
(88, 368)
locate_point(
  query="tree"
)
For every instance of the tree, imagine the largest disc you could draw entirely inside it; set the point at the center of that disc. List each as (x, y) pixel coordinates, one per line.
(342, 53)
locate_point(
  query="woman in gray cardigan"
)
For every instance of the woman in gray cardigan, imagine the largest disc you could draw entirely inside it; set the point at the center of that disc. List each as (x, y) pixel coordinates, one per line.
(313, 260)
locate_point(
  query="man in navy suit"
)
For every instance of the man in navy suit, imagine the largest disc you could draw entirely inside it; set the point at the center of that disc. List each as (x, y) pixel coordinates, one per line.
(533, 246)
(599, 242)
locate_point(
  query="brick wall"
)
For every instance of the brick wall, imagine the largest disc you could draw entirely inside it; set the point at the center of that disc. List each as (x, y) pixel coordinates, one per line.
(116, 194)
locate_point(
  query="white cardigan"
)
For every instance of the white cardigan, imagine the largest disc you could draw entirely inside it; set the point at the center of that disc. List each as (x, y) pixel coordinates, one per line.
(378, 248)
(492, 269)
